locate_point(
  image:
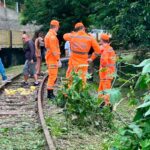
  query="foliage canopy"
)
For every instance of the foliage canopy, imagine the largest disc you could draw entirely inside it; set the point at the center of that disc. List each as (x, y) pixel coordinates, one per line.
(128, 21)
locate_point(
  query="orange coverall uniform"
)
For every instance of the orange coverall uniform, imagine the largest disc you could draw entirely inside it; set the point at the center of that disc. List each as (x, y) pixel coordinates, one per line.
(80, 43)
(52, 57)
(107, 70)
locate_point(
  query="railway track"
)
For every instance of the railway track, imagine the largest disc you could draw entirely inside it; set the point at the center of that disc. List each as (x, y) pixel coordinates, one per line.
(19, 118)
(22, 108)
(41, 98)
(27, 111)
(47, 109)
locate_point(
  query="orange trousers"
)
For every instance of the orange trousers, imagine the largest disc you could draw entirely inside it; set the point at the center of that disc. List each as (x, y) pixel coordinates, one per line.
(106, 77)
(77, 69)
(105, 84)
(52, 72)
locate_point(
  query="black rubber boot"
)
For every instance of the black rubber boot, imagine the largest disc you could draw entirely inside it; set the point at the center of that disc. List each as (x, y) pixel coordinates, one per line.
(50, 94)
(102, 105)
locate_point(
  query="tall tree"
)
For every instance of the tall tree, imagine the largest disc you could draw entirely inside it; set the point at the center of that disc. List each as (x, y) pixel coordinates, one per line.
(127, 20)
(68, 12)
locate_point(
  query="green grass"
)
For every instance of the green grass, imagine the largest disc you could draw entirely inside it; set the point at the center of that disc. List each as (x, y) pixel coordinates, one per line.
(20, 139)
(71, 137)
(14, 69)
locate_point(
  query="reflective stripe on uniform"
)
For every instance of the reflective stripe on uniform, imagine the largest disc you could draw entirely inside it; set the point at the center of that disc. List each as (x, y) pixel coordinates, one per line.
(83, 65)
(82, 53)
(81, 37)
(109, 65)
(50, 87)
(106, 79)
(110, 49)
(55, 53)
(96, 54)
(52, 66)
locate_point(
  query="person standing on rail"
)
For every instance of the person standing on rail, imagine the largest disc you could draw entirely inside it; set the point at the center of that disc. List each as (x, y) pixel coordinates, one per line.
(29, 66)
(107, 67)
(80, 43)
(52, 56)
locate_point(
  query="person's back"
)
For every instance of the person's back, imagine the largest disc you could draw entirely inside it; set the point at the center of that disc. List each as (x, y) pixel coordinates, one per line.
(80, 43)
(80, 46)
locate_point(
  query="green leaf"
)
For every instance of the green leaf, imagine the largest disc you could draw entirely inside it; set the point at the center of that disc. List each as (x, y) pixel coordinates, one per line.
(115, 95)
(139, 115)
(144, 105)
(141, 82)
(147, 97)
(145, 144)
(146, 69)
(136, 129)
(147, 113)
(143, 63)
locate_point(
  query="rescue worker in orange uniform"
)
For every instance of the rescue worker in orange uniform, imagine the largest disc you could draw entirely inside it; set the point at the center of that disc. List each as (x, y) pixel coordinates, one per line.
(52, 56)
(107, 68)
(80, 43)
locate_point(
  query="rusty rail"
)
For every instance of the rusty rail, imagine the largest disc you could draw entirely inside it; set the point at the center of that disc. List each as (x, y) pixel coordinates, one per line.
(7, 83)
(48, 137)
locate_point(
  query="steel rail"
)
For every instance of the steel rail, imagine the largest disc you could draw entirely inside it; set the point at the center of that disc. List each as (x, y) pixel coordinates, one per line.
(7, 83)
(49, 140)
(48, 137)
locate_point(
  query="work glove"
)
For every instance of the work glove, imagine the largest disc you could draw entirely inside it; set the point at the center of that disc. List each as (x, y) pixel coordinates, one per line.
(90, 60)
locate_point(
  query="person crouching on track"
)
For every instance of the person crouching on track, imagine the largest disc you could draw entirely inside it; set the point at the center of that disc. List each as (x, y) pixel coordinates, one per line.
(29, 67)
(52, 56)
(80, 43)
(107, 67)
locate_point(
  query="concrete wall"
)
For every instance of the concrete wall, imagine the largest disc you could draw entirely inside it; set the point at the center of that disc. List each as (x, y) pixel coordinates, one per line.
(11, 29)
(9, 20)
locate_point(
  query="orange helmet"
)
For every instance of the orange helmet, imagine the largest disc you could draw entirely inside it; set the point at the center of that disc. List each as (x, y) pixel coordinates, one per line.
(105, 36)
(79, 24)
(54, 22)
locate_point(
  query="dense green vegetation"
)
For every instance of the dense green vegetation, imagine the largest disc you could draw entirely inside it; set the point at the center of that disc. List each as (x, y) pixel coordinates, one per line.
(81, 107)
(128, 21)
(127, 127)
(136, 135)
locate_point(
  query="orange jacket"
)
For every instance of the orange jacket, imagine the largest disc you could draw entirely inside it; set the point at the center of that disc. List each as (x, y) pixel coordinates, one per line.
(52, 46)
(80, 43)
(108, 56)
(107, 61)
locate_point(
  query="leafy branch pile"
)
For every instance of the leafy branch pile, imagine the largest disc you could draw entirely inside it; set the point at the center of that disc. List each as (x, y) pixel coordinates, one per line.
(81, 106)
